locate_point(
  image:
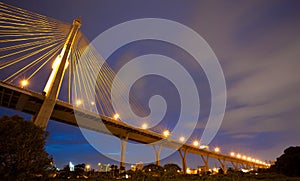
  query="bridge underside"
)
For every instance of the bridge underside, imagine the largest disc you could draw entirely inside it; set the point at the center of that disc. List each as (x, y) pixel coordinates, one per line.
(30, 102)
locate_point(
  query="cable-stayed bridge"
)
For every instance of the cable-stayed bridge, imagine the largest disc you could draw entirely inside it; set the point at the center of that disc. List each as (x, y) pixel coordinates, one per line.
(31, 43)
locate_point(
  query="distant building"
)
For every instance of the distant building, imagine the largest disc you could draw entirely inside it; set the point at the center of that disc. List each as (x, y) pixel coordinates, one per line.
(271, 162)
(137, 166)
(133, 168)
(191, 171)
(104, 167)
(201, 169)
(71, 165)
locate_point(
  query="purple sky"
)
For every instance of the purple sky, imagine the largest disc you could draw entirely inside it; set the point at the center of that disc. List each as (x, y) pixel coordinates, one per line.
(256, 42)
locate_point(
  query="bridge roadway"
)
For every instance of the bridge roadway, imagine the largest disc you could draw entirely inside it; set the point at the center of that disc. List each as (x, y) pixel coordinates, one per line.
(27, 101)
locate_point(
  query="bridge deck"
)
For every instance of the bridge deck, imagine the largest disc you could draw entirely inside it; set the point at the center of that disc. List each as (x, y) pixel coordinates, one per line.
(30, 102)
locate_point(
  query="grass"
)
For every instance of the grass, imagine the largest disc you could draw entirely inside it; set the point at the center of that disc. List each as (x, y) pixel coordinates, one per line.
(228, 177)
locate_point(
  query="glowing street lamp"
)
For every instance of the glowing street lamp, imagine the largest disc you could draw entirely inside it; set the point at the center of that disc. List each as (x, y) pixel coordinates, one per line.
(244, 157)
(181, 139)
(145, 126)
(238, 155)
(116, 116)
(24, 83)
(232, 154)
(166, 133)
(196, 143)
(78, 102)
(217, 149)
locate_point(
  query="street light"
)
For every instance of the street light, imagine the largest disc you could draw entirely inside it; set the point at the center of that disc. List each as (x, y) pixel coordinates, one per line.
(166, 133)
(238, 155)
(181, 139)
(116, 116)
(145, 126)
(217, 149)
(244, 157)
(24, 83)
(232, 154)
(196, 143)
(78, 102)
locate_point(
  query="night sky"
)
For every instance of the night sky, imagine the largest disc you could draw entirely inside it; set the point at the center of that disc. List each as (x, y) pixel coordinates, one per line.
(257, 44)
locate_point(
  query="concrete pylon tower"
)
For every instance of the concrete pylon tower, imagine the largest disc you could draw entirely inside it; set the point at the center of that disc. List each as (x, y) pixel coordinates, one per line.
(52, 87)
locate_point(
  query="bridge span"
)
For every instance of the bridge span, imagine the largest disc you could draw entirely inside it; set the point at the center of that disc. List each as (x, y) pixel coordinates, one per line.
(30, 102)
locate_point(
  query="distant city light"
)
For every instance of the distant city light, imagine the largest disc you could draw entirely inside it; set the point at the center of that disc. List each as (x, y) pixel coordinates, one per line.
(87, 167)
(166, 133)
(244, 157)
(92, 103)
(215, 170)
(145, 126)
(181, 139)
(196, 143)
(188, 171)
(24, 82)
(217, 149)
(232, 154)
(116, 116)
(238, 155)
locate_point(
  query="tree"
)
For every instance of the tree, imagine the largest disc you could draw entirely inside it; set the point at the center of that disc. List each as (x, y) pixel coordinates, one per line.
(221, 171)
(114, 170)
(172, 168)
(153, 170)
(288, 163)
(22, 152)
(79, 169)
(65, 173)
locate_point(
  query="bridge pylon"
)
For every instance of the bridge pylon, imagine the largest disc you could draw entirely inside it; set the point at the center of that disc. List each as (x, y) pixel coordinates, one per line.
(52, 87)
